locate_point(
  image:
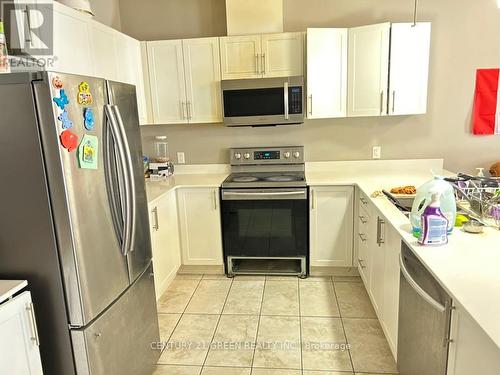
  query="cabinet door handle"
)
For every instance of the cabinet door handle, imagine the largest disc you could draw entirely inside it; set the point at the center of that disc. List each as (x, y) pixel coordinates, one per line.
(381, 102)
(360, 262)
(28, 21)
(363, 200)
(189, 112)
(393, 100)
(34, 328)
(263, 63)
(380, 230)
(313, 204)
(156, 225)
(362, 236)
(184, 110)
(215, 200)
(311, 105)
(363, 219)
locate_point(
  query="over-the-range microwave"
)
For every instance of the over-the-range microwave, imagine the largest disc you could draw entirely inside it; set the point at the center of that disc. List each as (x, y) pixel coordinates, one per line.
(263, 101)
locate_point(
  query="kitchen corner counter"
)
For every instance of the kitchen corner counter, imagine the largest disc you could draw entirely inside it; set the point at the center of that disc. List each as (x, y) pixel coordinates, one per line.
(155, 189)
(468, 267)
(10, 287)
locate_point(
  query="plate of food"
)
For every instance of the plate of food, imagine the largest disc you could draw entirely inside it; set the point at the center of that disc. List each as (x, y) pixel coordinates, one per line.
(404, 191)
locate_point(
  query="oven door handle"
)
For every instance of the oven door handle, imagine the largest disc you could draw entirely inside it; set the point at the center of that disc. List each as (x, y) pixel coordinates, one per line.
(265, 195)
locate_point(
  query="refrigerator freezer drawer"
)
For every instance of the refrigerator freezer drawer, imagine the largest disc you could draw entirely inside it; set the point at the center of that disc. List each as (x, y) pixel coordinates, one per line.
(119, 341)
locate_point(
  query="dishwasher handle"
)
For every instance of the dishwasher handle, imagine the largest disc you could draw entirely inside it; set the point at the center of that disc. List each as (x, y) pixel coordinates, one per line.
(422, 293)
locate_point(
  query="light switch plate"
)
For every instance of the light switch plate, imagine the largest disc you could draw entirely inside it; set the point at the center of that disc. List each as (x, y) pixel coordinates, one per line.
(376, 152)
(180, 158)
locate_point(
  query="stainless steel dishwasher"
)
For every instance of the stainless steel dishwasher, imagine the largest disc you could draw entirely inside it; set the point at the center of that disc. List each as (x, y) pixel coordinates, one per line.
(424, 319)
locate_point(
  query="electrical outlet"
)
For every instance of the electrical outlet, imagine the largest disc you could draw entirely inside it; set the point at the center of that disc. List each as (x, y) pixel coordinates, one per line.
(376, 152)
(180, 158)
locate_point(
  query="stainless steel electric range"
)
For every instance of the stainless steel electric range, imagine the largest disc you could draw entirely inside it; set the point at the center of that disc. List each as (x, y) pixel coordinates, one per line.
(265, 212)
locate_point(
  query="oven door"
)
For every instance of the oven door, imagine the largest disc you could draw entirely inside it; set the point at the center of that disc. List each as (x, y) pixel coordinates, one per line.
(265, 101)
(265, 222)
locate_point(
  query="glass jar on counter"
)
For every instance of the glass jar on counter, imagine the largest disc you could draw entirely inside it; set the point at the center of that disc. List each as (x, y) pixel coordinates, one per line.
(161, 149)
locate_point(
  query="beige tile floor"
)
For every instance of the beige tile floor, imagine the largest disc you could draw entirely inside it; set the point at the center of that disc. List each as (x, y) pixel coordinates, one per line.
(258, 325)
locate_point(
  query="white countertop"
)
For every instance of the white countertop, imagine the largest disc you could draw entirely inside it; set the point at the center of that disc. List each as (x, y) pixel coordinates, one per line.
(10, 287)
(468, 267)
(155, 189)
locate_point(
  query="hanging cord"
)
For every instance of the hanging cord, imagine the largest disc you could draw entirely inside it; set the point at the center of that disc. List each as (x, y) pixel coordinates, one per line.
(415, 13)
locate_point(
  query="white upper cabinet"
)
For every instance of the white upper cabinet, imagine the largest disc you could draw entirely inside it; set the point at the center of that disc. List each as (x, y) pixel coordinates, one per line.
(168, 87)
(282, 54)
(241, 57)
(202, 70)
(368, 70)
(326, 73)
(409, 69)
(104, 51)
(184, 80)
(257, 56)
(331, 226)
(72, 42)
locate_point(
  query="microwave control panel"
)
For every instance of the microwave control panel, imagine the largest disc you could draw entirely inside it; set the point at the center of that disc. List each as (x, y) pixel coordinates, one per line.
(295, 100)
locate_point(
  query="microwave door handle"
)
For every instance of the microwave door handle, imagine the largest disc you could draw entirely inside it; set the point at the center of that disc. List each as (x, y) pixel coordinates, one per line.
(285, 94)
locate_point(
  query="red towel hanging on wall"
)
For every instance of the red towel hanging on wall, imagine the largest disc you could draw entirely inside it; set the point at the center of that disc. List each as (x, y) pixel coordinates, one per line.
(486, 116)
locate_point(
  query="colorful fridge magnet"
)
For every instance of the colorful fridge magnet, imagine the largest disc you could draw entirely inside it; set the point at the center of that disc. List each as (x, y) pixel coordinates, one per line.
(69, 140)
(84, 95)
(62, 101)
(88, 119)
(57, 83)
(64, 118)
(87, 152)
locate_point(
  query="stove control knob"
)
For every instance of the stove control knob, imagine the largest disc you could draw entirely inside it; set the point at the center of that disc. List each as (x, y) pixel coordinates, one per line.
(296, 154)
(286, 155)
(247, 155)
(237, 156)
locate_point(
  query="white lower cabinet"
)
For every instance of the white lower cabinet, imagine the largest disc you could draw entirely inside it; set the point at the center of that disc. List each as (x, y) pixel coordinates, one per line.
(471, 350)
(19, 353)
(331, 226)
(165, 240)
(390, 306)
(378, 247)
(377, 264)
(199, 220)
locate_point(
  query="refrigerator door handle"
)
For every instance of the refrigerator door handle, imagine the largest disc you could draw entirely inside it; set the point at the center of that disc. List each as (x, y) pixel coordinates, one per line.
(114, 192)
(130, 221)
(120, 148)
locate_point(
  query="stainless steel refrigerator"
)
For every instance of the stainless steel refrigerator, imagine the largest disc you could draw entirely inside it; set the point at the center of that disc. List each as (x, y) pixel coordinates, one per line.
(74, 220)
